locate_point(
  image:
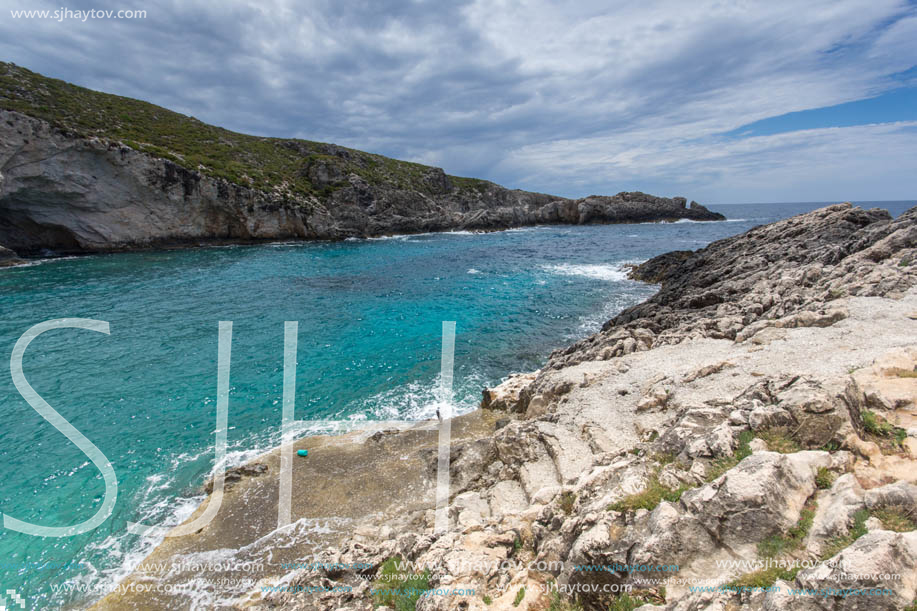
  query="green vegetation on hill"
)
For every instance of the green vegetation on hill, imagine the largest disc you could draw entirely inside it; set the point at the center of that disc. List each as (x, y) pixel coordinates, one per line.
(293, 166)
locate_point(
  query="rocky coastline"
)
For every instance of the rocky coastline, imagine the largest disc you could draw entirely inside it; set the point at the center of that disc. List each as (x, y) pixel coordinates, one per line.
(70, 193)
(753, 425)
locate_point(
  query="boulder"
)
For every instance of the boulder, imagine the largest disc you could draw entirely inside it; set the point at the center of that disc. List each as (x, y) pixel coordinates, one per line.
(878, 571)
(763, 495)
(8, 257)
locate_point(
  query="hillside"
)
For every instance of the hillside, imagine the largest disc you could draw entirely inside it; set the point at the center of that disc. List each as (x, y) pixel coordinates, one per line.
(85, 171)
(262, 163)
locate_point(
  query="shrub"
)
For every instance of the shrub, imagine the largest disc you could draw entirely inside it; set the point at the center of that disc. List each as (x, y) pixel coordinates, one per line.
(876, 424)
(567, 500)
(398, 589)
(824, 479)
(519, 596)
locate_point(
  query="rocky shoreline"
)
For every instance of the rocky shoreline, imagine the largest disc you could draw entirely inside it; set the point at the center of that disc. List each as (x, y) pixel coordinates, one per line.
(8, 258)
(72, 193)
(751, 425)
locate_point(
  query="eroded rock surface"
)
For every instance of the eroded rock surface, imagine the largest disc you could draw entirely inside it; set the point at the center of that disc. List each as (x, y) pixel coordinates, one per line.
(694, 447)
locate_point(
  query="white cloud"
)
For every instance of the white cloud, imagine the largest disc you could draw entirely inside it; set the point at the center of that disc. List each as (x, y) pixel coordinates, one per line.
(564, 97)
(805, 165)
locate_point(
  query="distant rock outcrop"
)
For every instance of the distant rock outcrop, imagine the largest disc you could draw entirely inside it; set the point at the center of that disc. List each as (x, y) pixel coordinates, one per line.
(783, 275)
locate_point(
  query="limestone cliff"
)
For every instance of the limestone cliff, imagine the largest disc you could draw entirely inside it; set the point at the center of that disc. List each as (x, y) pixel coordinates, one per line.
(83, 171)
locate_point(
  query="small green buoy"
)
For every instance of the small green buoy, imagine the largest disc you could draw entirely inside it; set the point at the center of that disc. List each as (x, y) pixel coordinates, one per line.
(302, 452)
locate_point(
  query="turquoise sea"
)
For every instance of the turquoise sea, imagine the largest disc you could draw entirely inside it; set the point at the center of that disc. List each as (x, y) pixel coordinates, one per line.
(369, 313)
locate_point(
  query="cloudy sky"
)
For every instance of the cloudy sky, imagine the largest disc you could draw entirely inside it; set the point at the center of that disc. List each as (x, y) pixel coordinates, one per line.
(720, 101)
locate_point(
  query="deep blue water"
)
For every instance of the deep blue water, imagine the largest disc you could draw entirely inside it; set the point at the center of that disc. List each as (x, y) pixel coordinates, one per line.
(369, 315)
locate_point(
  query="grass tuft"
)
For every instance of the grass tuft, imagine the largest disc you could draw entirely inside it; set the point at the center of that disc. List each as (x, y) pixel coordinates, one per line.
(629, 602)
(883, 431)
(824, 479)
(876, 424)
(779, 440)
(777, 545)
(559, 603)
(654, 493)
(765, 578)
(518, 544)
(398, 589)
(722, 465)
(567, 501)
(856, 531)
(897, 519)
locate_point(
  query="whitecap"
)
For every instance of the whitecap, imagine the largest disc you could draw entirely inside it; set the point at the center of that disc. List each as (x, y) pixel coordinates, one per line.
(420, 400)
(34, 262)
(724, 220)
(381, 238)
(607, 272)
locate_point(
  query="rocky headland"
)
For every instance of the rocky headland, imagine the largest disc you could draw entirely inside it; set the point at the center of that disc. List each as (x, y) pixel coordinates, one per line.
(84, 171)
(745, 439)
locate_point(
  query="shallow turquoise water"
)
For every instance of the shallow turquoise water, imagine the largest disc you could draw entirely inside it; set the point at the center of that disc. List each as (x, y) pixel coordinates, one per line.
(369, 313)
